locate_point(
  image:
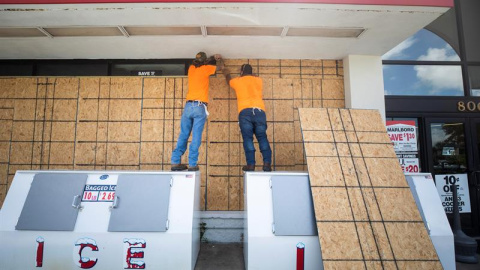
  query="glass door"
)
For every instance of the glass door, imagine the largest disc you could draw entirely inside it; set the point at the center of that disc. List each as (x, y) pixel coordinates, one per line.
(475, 172)
(450, 160)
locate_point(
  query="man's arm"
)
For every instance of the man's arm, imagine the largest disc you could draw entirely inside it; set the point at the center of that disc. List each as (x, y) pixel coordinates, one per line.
(228, 77)
(219, 60)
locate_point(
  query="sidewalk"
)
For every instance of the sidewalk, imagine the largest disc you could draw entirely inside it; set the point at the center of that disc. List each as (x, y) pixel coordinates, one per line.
(230, 257)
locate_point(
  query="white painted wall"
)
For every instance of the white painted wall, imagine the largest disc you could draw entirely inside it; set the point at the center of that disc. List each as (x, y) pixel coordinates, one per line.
(364, 83)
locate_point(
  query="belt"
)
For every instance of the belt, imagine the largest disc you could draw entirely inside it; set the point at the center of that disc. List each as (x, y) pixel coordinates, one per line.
(192, 101)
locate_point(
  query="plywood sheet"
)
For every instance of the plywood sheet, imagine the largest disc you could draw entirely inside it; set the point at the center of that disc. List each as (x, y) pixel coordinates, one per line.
(357, 185)
(134, 122)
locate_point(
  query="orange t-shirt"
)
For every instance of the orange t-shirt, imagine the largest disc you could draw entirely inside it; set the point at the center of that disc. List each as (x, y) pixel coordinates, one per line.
(198, 79)
(249, 92)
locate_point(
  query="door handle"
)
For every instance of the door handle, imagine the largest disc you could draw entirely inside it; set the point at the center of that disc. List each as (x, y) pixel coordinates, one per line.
(115, 202)
(76, 202)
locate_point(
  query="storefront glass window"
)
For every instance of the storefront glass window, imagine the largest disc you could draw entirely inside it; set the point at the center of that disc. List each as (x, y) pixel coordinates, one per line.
(423, 80)
(404, 134)
(448, 147)
(474, 74)
(142, 69)
(422, 46)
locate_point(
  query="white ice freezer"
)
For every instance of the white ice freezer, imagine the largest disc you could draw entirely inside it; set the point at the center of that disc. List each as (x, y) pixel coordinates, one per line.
(101, 220)
(279, 216)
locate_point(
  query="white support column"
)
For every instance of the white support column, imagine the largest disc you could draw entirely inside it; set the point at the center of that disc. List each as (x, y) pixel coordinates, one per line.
(364, 83)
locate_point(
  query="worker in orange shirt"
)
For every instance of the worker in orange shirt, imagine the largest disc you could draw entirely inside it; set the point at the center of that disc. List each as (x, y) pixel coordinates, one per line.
(251, 117)
(195, 111)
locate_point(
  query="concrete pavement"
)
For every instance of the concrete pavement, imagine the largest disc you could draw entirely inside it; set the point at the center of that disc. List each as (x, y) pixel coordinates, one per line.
(230, 257)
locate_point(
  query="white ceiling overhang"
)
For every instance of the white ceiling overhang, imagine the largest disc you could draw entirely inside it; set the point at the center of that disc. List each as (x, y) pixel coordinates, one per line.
(179, 30)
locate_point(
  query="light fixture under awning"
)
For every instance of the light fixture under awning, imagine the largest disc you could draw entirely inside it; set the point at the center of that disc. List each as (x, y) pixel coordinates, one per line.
(243, 31)
(83, 31)
(163, 31)
(21, 32)
(324, 32)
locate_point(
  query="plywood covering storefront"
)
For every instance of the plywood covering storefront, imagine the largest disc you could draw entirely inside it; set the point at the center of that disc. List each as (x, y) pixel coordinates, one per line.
(132, 123)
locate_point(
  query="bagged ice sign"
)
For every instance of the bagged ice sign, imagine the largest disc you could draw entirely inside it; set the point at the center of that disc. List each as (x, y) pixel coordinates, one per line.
(99, 193)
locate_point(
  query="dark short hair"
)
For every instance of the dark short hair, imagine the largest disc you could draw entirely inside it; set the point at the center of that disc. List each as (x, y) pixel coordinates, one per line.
(246, 69)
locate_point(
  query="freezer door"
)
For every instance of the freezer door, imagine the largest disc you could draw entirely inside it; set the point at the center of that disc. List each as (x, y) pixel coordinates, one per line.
(141, 203)
(51, 203)
(292, 206)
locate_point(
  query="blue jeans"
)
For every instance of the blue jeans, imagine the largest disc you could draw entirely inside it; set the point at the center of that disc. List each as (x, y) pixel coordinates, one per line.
(193, 121)
(254, 121)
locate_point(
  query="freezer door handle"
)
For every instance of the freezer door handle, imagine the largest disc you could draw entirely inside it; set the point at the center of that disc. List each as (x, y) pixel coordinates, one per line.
(76, 202)
(115, 202)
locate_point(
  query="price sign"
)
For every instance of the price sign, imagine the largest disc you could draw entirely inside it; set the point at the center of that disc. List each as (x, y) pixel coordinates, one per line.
(403, 135)
(99, 193)
(444, 182)
(106, 196)
(409, 165)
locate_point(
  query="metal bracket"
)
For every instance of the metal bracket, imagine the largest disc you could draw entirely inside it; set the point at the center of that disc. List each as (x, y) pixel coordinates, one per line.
(76, 202)
(115, 202)
(167, 224)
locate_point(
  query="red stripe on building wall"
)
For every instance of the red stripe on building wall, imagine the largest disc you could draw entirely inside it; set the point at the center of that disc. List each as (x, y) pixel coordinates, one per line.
(431, 3)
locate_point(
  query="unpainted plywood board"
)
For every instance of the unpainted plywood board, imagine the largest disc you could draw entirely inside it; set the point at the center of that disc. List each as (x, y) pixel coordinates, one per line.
(356, 188)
